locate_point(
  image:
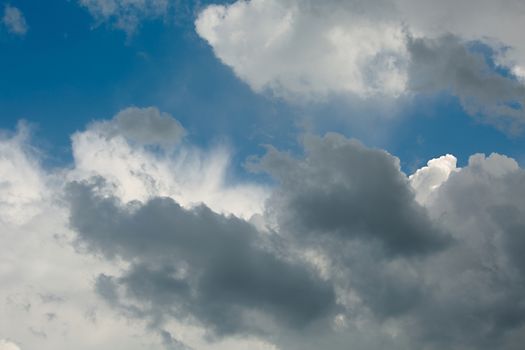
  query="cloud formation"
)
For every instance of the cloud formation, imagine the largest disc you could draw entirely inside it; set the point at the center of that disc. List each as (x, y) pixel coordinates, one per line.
(195, 263)
(122, 150)
(346, 190)
(14, 21)
(346, 249)
(126, 14)
(305, 50)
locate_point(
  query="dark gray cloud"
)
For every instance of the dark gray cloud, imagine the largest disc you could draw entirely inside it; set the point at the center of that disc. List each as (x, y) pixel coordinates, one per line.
(477, 299)
(463, 292)
(195, 264)
(344, 190)
(447, 64)
(449, 275)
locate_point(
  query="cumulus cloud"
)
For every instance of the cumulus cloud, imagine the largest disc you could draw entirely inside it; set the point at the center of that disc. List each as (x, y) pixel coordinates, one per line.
(346, 230)
(195, 263)
(14, 20)
(480, 294)
(305, 50)
(39, 296)
(300, 48)
(428, 178)
(344, 189)
(126, 14)
(181, 171)
(347, 249)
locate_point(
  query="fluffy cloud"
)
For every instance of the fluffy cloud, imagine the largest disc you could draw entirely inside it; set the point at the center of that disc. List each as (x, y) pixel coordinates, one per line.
(347, 248)
(196, 264)
(43, 304)
(14, 20)
(478, 301)
(301, 49)
(295, 48)
(180, 171)
(428, 178)
(126, 14)
(346, 190)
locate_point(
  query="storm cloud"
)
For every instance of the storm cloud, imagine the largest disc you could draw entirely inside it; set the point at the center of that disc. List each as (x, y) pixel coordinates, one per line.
(196, 264)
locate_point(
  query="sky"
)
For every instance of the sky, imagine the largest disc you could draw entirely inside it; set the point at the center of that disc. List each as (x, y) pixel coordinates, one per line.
(262, 174)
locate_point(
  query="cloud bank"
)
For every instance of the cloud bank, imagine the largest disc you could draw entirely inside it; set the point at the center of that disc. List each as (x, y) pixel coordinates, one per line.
(344, 248)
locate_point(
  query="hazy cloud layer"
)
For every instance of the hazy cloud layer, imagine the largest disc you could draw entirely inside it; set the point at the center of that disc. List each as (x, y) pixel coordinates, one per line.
(126, 14)
(14, 21)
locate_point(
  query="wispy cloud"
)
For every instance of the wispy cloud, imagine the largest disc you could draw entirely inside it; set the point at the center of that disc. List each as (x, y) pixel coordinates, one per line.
(13, 19)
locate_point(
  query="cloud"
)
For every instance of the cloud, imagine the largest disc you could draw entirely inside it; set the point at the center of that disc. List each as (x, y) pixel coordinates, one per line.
(147, 126)
(427, 179)
(171, 343)
(478, 301)
(126, 14)
(14, 20)
(111, 251)
(22, 181)
(343, 225)
(40, 293)
(445, 64)
(348, 191)
(302, 49)
(7, 345)
(307, 51)
(195, 264)
(116, 150)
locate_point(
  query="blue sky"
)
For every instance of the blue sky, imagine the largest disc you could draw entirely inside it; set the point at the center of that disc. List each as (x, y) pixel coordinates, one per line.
(262, 174)
(67, 72)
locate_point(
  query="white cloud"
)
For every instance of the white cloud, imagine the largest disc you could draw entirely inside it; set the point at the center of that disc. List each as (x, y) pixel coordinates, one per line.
(7, 345)
(428, 178)
(299, 49)
(304, 47)
(14, 20)
(308, 50)
(466, 295)
(185, 173)
(22, 182)
(126, 14)
(47, 299)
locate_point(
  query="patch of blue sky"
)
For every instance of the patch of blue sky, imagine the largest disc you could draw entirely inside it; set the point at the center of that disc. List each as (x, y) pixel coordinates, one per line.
(65, 73)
